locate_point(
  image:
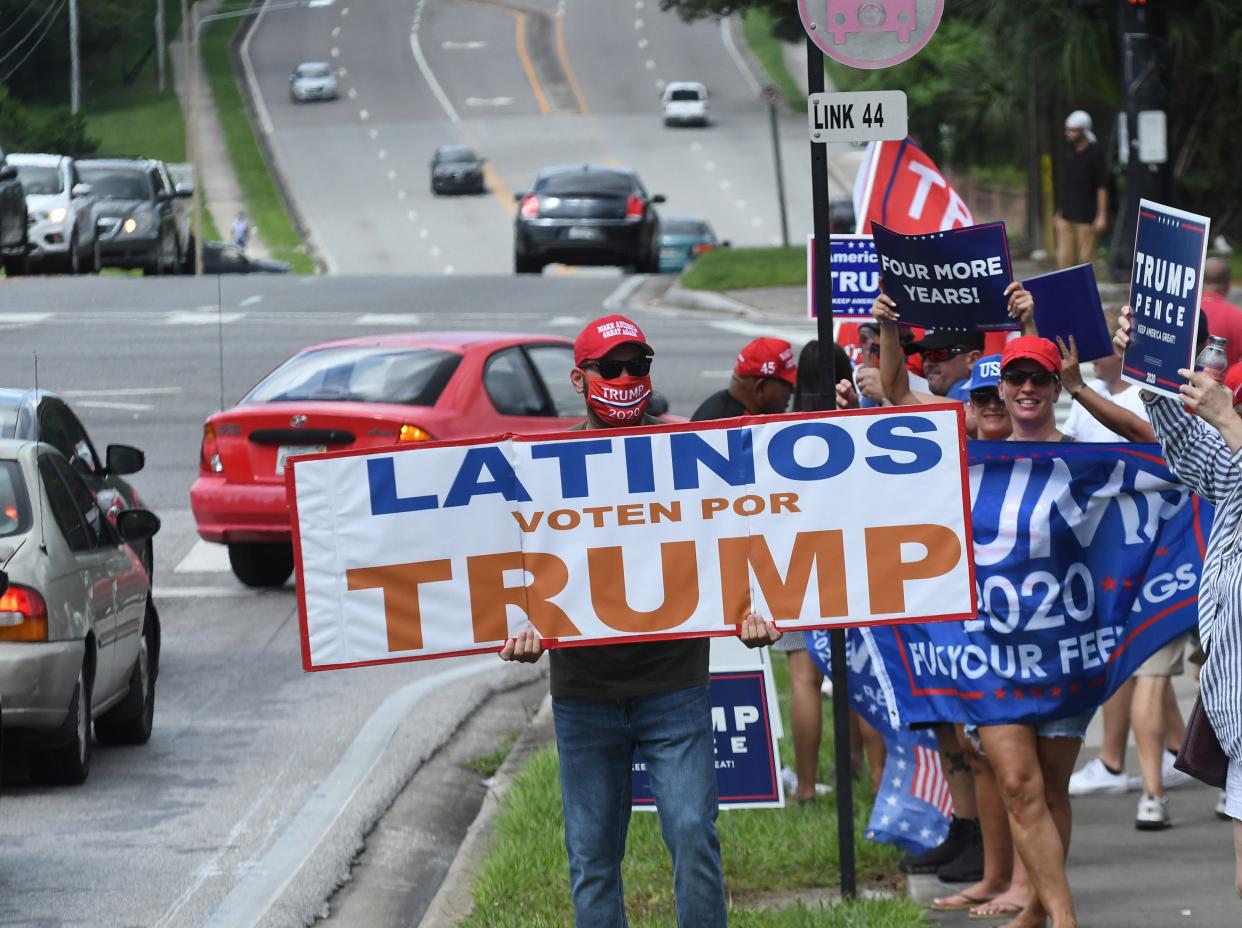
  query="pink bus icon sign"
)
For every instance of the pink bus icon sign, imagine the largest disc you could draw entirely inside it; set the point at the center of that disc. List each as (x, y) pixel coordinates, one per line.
(846, 16)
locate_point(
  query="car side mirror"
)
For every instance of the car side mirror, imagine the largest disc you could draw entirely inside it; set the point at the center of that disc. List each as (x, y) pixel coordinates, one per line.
(137, 525)
(658, 404)
(81, 190)
(164, 196)
(125, 459)
(519, 197)
(8, 172)
(184, 191)
(658, 198)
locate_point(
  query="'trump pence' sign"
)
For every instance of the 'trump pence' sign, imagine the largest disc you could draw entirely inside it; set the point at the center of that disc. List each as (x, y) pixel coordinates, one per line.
(676, 531)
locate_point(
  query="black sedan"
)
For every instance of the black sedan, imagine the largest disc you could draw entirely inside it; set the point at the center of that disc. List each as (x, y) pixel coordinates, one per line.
(457, 169)
(586, 214)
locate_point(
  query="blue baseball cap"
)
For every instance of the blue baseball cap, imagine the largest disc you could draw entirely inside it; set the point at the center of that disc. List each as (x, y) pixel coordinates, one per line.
(986, 373)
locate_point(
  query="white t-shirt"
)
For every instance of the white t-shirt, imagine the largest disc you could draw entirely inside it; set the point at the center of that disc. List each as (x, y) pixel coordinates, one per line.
(1082, 426)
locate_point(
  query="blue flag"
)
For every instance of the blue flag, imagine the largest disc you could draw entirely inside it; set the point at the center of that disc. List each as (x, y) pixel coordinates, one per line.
(1087, 561)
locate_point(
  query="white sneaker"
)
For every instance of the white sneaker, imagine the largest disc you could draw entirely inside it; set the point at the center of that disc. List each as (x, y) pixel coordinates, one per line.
(1221, 814)
(1095, 778)
(1170, 776)
(1153, 813)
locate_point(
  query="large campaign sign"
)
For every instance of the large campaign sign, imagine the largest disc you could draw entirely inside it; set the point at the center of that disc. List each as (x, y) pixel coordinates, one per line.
(901, 188)
(855, 276)
(1087, 562)
(815, 520)
(952, 280)
(1166, 286)
(747, 766)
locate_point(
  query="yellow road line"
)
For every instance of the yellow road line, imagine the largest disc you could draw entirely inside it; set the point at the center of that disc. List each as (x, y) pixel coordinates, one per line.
(524, 57)
(563, 53)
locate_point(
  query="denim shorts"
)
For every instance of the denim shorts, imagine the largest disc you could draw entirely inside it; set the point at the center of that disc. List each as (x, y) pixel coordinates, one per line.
(1071, 726)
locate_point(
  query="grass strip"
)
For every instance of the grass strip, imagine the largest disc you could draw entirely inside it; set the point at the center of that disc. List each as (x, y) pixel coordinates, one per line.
(764, 851)
(768, 49)
(263, 203)
(739, 268)
(485, 765)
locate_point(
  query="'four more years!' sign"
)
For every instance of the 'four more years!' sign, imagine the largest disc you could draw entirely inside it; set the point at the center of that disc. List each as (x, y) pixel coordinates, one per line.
(816, 520)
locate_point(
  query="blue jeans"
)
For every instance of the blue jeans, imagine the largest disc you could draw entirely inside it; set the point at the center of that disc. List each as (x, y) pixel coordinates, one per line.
(596, 741)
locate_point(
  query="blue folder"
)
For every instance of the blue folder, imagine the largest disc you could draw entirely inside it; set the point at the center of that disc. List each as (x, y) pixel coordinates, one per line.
(1068, 303)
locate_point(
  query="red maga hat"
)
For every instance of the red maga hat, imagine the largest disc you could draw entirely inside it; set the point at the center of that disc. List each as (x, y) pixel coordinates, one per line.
(606, 333)
(768, 357)
(1040, 350)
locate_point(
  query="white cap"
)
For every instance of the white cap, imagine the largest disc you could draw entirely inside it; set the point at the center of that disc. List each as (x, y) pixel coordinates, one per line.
(1080, 119)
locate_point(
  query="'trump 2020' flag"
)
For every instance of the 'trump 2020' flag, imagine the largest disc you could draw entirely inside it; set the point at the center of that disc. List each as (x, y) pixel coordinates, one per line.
(1087, 561)
(901, 188)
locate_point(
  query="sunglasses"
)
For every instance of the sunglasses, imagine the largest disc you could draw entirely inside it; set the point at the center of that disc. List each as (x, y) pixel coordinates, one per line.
(985, 396)
(1037, 378)
(940, 355)
(611, 370)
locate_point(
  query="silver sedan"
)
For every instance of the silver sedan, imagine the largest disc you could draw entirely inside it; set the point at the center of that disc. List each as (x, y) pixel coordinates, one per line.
(312, 80)
(79, 634)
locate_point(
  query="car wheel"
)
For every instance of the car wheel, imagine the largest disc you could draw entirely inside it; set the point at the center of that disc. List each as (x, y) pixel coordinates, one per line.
(527, 265)
(131, 720)
(70, 763)
(191, 252)
(261, 564)
(73, 264)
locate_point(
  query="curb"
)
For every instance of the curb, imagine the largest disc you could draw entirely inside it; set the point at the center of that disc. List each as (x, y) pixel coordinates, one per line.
(455, 900)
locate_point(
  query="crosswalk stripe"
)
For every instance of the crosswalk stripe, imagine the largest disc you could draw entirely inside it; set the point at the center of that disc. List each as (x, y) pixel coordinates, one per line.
(205, 557)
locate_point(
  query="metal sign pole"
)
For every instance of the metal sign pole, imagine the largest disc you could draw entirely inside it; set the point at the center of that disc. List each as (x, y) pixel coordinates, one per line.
(828, 392)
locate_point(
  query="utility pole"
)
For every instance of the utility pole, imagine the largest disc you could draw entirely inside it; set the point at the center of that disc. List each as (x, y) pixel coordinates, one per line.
(75, 64)
(159, 45)
(1144, 104)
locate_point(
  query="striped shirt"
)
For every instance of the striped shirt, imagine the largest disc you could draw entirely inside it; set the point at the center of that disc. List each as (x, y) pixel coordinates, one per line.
(1201, 459)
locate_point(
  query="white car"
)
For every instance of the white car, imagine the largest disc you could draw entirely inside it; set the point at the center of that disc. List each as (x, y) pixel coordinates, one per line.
(61, 214)
(312, 80)
(685, 104)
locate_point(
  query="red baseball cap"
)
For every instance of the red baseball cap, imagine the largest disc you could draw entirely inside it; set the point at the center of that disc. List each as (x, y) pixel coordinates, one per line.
(606, 333)
(1039, 350)
(768, 357)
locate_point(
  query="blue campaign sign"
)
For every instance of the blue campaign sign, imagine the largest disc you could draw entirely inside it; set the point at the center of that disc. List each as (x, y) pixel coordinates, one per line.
(1087, 561)
(1166, 284)
(747, 769)
(1067, 303)
(953, 280)
(855, 276)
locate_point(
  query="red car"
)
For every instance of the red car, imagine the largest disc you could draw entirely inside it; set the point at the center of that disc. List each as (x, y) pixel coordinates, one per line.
(362, 393)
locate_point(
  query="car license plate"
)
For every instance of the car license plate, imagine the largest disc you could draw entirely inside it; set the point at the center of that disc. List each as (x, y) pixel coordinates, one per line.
(288, 451)
(584, 234)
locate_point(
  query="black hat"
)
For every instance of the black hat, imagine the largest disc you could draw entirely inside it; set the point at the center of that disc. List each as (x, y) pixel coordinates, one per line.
(971, 341)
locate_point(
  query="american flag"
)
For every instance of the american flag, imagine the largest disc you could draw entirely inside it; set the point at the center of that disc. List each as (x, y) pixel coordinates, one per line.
(929, 783)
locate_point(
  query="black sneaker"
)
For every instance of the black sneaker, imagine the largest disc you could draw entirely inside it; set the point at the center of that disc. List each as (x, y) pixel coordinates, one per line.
(967, 867)
(954, 843)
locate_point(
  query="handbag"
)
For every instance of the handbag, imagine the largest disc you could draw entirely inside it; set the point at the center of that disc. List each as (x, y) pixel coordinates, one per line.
(1201, 755)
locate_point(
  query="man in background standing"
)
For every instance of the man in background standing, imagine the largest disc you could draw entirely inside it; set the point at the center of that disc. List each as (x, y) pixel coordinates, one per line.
(1082, 209)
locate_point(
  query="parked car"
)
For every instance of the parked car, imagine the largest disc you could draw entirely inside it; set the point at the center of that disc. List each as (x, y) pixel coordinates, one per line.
(586, 214)
(80, 636)
(61, 213)
(841, 215)
(44, 416)
(685, 104)
(223, 258)
(457, 169)
(362, 393)
(13, 220)
(312, 80)
(683, 239)
(139, 220)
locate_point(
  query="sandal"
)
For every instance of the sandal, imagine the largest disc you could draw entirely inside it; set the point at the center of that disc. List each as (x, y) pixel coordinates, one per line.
(991, 910)
(959, 901)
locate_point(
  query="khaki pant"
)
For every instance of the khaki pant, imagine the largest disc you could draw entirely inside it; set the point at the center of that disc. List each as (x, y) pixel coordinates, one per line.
(1075, 243)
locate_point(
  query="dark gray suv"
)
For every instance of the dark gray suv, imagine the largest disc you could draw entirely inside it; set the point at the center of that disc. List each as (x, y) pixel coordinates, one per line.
(138, 215)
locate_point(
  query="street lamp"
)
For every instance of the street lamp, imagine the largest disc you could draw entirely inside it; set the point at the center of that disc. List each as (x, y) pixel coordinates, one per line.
(192, 127)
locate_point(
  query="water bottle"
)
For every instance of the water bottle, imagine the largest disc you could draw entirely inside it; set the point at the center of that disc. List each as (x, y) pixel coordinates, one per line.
(1212, 360)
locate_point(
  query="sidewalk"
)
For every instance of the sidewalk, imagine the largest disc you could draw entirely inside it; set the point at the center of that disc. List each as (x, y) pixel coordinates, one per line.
(221, 192)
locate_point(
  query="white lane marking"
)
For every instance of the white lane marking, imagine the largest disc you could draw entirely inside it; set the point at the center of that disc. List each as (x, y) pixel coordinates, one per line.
(740, 204)
(364, 115)
(489, 101)
(448, 269)
(774, 240)
(714, 375)
(401, 194)
(184, 318)
(24, 318)
(696, 146)
(756, 222)
(423, 233)
(725, 185)
(417, 49)
(650, 65)
(373, 132)
(352, 93)
(638, 4)
(342, 72)
(642, 43)
(392, 175)
(402, 319)
(204, 558)
(344, 11)
(251, 300)
(205, 592)
(124, 391)
(110, 404)
(638, 23)
(618, 299)
(565, 320)
(335, 52)
(336, 32)
(451, 46)
(435, 251)
(743, 327)
(710, 165)
(411, 215)
(382, 154)
(726, 36)
(267, 878)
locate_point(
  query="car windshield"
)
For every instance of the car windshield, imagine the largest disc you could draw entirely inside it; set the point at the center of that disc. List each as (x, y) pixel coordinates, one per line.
(14, 506)
(39, 179)
(455, 155)
(684, 227)
(314, 70)
(113, 184)
(683, 94)
(360, 374)
(586, 184)
(8, 419)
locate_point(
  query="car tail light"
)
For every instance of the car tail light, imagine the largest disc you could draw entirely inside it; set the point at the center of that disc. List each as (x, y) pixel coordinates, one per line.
(701, 247)
(530, 206)
(634, 207)
(209, 458)
(23, 615)
(413, 433)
